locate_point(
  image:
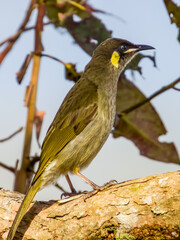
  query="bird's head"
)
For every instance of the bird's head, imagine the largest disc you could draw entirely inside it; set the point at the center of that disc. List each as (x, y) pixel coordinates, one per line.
(118, 52)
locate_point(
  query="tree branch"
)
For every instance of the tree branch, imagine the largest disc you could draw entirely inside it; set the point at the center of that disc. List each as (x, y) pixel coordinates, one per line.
(52, 57)
(146, 208)
(163, 89)
(12, 135)
(14, 38)
(11, 169)
(24, 177)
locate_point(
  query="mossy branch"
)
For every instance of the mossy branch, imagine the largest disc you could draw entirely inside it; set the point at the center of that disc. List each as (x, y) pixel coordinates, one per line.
(146, 208)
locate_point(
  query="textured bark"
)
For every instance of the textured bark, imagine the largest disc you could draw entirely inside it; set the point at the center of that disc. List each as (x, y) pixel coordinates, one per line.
(146, 208)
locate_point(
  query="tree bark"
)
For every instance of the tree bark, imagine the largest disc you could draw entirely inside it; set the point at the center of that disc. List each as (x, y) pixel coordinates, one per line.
(146, 208)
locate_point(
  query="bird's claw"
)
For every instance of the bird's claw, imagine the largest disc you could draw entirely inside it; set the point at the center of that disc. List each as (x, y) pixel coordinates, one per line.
(70, 194)
(106, 185)
(109, 184)
(88, 194)
(99, 188)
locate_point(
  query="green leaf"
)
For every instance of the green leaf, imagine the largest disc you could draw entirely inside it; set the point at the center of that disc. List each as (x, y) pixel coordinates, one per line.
(142, 126)
(174, 13)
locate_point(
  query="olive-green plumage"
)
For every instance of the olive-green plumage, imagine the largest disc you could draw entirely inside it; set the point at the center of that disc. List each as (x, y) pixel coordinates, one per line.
(83, 121)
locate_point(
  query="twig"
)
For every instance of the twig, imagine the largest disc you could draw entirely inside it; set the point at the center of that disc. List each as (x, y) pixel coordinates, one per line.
(13, 37)
(17, 35)
(177, 89)
(12, 135)
(59, 187)
(52, 57)
(34, 159)
(130, 109)
(16, 166)
(11, 169)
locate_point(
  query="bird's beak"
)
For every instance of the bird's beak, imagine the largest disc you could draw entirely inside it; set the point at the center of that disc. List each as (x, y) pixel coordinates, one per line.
(138, 48)
(144, 47)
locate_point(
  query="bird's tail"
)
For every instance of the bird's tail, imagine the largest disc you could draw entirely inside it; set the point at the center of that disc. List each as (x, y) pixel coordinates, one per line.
(23, 208)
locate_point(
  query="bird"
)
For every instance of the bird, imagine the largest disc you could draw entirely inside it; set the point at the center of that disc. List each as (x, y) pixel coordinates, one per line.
(84, 120)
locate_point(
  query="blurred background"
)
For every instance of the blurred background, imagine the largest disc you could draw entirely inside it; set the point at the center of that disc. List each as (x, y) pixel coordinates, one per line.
(141, 22)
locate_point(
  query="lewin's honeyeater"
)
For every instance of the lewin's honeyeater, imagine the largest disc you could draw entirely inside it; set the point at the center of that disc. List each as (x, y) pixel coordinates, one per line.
(83, 121)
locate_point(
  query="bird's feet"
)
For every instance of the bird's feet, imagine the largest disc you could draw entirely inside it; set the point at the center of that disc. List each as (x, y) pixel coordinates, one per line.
(70, 194)
(86, 193)
(99, 188)
(106, 185)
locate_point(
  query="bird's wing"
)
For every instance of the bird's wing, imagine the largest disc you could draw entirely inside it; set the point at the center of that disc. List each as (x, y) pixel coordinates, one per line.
(70, 121)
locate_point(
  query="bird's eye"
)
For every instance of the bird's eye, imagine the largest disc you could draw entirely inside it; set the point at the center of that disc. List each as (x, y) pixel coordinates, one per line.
(123, 47)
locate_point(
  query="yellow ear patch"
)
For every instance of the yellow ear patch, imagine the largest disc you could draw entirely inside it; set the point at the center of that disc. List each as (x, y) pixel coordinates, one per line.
(115, 59)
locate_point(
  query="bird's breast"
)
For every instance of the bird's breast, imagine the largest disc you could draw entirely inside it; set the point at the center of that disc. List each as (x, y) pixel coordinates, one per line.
(107, 108)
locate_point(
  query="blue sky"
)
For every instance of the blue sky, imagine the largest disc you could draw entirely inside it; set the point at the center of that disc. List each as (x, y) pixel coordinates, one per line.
(145, 22)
